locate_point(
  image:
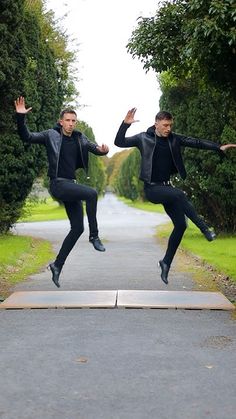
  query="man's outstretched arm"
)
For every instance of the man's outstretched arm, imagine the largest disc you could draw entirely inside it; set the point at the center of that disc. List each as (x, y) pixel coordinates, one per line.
(102, 149)
(23, 131)
(98, 150)
(20, 106)
(204, 144)
(225, 147)
(121, 140)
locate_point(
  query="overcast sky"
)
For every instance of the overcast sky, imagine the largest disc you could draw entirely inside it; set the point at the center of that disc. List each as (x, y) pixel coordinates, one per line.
(110, 80)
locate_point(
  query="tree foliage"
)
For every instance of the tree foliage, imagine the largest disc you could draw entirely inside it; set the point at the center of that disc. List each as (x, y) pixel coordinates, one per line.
(113, 166)
(190, 37)
(206, 113)
(191, 44)
(34, 62)
(127, 183)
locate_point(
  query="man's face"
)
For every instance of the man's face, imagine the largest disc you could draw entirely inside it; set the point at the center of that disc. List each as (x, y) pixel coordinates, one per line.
(68, 123)
(163, 127)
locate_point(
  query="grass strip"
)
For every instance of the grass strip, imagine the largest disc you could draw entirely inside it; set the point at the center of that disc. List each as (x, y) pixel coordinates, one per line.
(220, 253)
(21, 256)
(47, 210)
(145, 206)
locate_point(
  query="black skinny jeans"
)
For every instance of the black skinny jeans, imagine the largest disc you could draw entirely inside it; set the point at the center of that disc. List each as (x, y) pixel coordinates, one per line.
(71, 194)
(178, 208)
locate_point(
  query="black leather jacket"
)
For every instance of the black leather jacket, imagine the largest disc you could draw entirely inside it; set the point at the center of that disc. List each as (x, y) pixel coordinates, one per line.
(145, 142)
(52, 139)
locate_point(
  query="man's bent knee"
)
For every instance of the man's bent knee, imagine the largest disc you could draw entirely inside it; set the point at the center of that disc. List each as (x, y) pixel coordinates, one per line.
(77, 231)
(93, 195)
(183, 226)
(181, 195)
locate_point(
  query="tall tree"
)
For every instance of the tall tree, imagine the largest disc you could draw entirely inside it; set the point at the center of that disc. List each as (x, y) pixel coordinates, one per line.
(189, 37)
(192, 46)
(127, 183)
(29, 65)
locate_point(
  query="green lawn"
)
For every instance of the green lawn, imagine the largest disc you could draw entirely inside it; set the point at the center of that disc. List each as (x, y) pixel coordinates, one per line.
(21, 256)
(45, 211)
(219, 253)
(145, 206)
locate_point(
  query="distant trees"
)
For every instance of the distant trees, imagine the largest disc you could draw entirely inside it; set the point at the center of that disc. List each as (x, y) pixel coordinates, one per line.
(113, 166)
(191, 45)
(127, 182)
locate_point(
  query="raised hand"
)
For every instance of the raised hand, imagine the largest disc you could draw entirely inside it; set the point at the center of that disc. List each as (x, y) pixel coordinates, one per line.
(20, 105)
(226, 146)
(129, 119)
(104, 149)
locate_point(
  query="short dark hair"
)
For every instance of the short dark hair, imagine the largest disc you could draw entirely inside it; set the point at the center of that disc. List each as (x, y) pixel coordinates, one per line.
(163, 115)
(67, 110)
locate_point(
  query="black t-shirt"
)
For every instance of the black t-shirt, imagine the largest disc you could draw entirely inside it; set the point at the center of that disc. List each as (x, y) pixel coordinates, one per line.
(69, 155)
(162, 162)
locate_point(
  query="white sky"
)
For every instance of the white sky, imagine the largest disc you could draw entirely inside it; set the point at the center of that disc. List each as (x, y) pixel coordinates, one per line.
(110, 80)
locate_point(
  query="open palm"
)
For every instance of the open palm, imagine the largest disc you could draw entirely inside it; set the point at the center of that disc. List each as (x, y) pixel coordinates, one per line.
(20, 105)
(129, 119)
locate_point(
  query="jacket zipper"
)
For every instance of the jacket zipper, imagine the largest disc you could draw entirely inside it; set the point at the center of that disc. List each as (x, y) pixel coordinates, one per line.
(59, 153)
(153, 153)
(82, 158)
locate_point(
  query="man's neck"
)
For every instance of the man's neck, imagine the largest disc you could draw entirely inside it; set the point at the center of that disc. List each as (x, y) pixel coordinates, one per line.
(67, 134)
(158, 134)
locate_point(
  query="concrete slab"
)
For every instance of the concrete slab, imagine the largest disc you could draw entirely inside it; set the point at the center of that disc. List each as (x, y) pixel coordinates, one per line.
(173, 299)
(195, 300)
(60, 299)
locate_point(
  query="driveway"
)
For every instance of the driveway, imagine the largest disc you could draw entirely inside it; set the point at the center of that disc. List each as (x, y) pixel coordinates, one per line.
(115, 363)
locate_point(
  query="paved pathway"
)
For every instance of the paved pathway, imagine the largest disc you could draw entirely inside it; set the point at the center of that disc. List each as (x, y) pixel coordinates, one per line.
(113, 364)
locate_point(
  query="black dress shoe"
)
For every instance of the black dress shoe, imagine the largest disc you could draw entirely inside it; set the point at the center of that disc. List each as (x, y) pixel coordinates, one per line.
(164, 271)
(209, 234)
(97, 244)
(55, 274)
